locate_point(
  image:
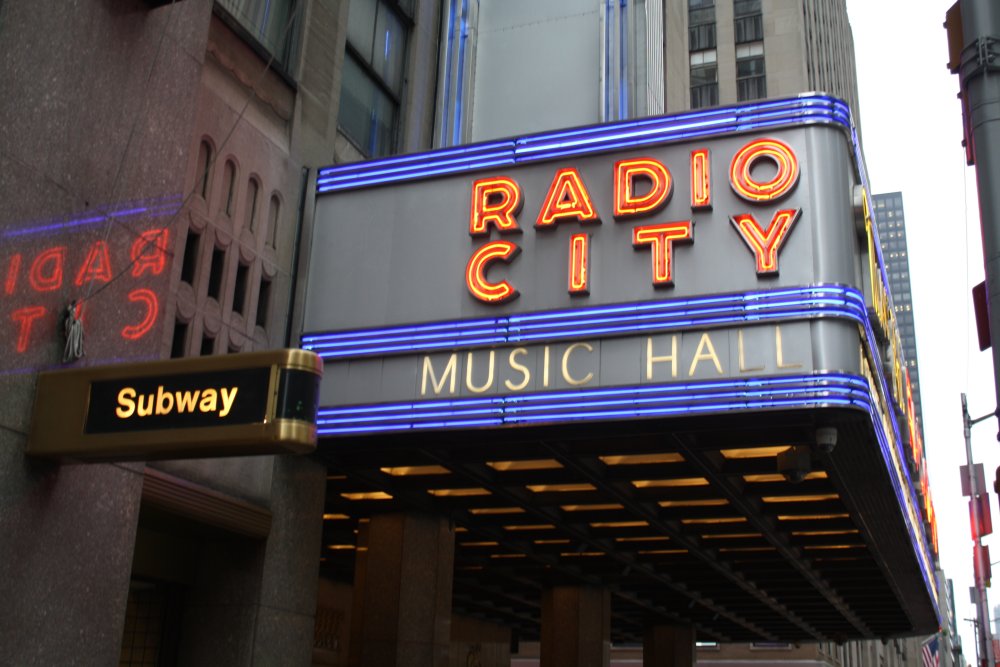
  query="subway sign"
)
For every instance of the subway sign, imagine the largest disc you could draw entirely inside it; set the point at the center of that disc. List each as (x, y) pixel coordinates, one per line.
(253, 403)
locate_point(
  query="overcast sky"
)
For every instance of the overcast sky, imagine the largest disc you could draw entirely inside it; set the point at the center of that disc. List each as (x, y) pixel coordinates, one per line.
(911, 122)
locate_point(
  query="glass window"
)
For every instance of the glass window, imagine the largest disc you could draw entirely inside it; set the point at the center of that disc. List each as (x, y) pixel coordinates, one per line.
(749, 28)
(377, 32)
(751, 83)
(273, 23)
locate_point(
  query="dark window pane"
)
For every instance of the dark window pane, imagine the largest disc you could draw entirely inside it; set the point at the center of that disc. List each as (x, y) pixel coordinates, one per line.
(749, 29)
(704, 96)
(190, 262)
(745, 7)
(367, 115)
(750, 67)
(270, 22)
(215, 273)
(263, 301)
(389, 49)
(701, 16)
(204, 168)
(240, 290)
(179, 341)
(751, 89)
(703, 74)
(701, 37)
(207, 345)
(361, 26)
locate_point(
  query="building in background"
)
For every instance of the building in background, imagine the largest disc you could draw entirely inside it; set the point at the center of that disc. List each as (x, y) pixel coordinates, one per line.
(892, 235)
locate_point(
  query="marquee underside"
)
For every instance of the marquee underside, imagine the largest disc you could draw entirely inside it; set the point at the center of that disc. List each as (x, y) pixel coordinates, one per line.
(693, 520)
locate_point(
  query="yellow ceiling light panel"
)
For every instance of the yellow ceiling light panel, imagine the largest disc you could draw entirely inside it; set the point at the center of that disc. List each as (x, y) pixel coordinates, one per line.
(703, 502)
(753, 452)
(496, 510)
(457, 493)
(536, 464)
(559, 488)
(808, 498)
(679, 482)
(405, 471)
(367, 495)
(641, 459)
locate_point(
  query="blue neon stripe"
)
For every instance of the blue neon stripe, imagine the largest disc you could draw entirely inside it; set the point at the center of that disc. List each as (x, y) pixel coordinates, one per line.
(622, 319)
(803, 110)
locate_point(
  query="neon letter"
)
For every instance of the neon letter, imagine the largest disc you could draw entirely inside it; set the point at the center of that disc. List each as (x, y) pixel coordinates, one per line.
(97, 266)
(12, 270)
(579, 264)
(475, 272)
(626, 202)
(25, 317)
(765, 245)
(47, 270)
(495, 201)
(447, 374)
(701, 179)
(570, 380)
(148, 297)
(781, 184)
(149, 252)
(662, 238)
(567, 198)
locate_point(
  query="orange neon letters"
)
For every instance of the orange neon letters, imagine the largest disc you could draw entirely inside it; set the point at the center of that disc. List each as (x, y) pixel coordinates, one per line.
(568, 198)
(765, 244)
(627, 203)
(495, 201)
(475, 272)
(701, 179)
(152, 304)
(97, 266)
(661, 237)
(579, 264)
(778, 153)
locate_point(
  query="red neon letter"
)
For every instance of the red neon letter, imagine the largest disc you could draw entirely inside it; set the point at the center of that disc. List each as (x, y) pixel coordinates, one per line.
(701, 179)
(495, 201)
(97, 266)
(475, 272)
(626, 202)
(567, 198)
(765, 245)
(13, 269)
(780, 185)
(149, 251)
(25, 317)
(662, 238)
(147, 297)
(579, 264)
(47, 270)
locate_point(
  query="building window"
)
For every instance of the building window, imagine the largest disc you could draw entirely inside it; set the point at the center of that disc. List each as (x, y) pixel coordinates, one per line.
(751, 84)
(215, 273)
(271, 23)
(229, 181)
(240, 290)
(748, 23)
(372, 87)
(207, 345)
(701, 25)
(204, 168)
(272, 218)
(190, 262)
(704, 79)
(253, 190)
(263, 301)
(178, 344)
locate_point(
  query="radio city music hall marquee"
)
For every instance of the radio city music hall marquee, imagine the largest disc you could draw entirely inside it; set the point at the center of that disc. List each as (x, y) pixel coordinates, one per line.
(689, 254)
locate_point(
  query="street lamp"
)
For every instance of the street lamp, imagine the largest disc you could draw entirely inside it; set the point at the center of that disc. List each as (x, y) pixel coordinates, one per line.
(979, 514)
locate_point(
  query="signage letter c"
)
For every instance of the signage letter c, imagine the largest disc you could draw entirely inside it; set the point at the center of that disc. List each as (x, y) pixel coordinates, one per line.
(475, 272)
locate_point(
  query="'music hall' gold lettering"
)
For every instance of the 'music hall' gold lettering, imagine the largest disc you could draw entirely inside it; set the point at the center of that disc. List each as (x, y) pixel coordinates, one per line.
(166, 402)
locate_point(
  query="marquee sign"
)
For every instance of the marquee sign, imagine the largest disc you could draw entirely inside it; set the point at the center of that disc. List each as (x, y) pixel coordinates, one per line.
(709, 262)
(238, 404)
